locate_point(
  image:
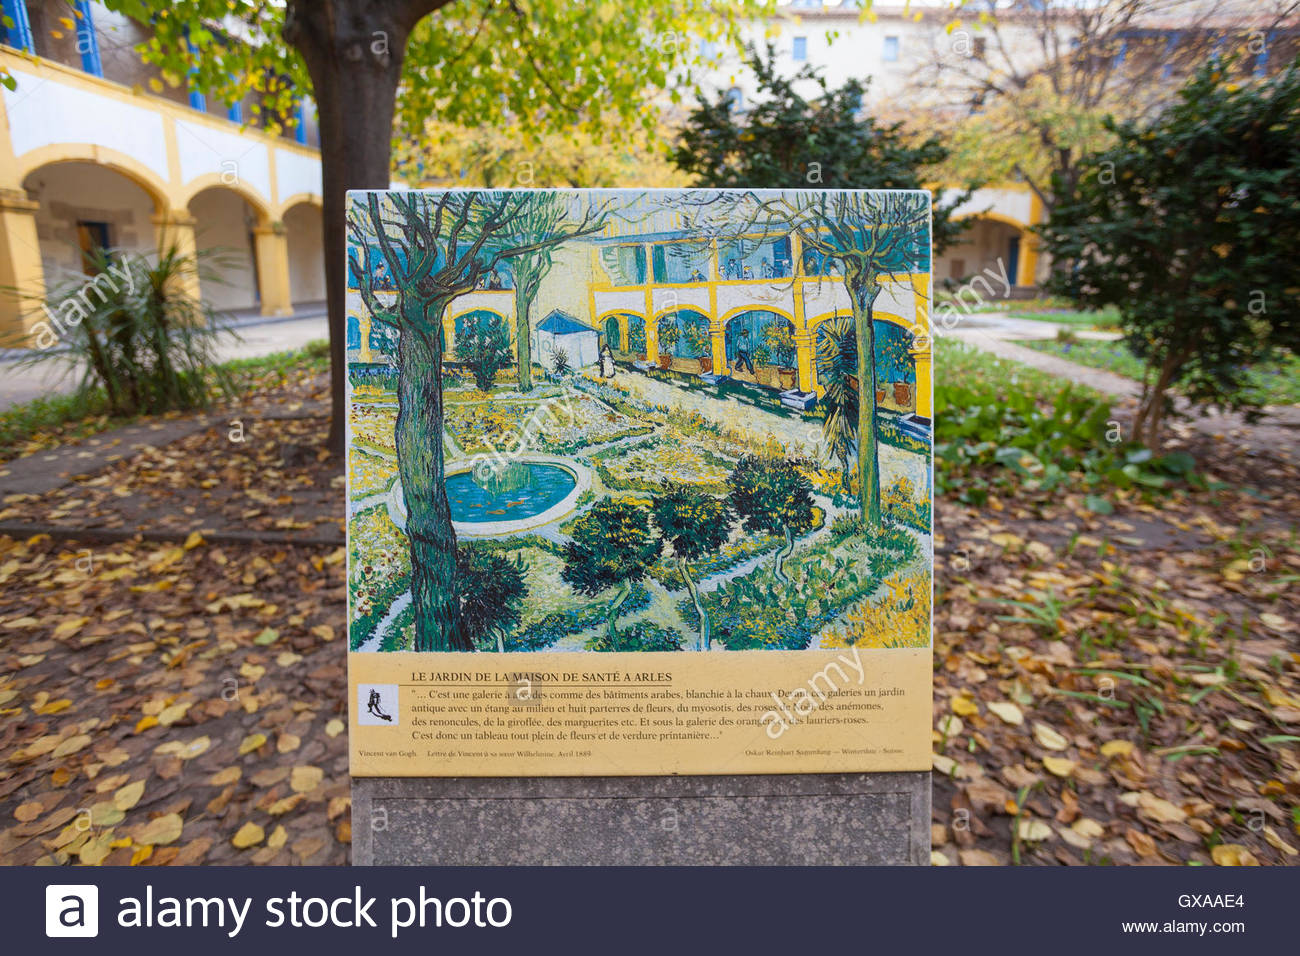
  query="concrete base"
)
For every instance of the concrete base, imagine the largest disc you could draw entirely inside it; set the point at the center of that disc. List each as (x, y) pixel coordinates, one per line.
(760, 820)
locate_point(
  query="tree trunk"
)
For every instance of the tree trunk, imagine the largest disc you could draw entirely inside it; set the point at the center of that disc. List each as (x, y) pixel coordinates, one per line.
(1150, 417)
(353, 51)
(703, 644)
(523, 347)
(785, 552)
(862, 292)
(610, 630)
(420, 465)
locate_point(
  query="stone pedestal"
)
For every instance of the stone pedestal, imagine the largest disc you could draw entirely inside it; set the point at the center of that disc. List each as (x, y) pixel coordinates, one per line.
(760, 820)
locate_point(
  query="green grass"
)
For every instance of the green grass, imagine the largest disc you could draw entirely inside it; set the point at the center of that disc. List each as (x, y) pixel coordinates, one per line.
(63, 418)
(1101, 319)
(1005, 427)
(1271, 383)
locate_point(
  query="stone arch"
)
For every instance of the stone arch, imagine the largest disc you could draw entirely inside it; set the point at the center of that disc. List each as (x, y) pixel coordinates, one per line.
(260, 205)
(60, 153)
(894, 362)
(692, 340)
(226, 223)
(753, 351)
(81, 204)
(304, 235)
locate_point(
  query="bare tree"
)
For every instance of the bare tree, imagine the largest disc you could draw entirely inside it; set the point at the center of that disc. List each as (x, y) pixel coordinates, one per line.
(1031, 81)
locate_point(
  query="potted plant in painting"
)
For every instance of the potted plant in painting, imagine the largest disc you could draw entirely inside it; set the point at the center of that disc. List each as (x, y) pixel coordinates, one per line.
(669, 333)
(636, 341)
(779, 339)
(697, 339)
(896, 364)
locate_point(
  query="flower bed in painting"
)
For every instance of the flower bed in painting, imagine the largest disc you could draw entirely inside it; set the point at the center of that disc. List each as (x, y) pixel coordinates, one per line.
(380, 570)
(488, 426)
(373, 426)
(558, 425)
(759, 612)
(665, 459)
(552, 627)
(580, 421)
(901, 618)
(369, 474)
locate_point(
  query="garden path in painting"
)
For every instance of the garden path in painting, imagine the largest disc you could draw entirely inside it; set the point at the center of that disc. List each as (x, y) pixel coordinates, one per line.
(648, 427)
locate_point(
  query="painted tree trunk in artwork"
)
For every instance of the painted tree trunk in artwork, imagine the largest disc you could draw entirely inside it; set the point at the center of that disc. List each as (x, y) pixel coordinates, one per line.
(610, 622)
(787, 549)
(700, 610)
(523, 345)
(528, 278)
(862, 293)
(420, 466)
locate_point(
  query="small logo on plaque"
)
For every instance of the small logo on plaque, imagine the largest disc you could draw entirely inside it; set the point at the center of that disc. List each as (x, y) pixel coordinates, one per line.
(377, 705)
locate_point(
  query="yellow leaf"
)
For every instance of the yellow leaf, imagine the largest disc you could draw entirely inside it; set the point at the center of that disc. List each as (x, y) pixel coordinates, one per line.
(71, 745)
(164, 829)
(1059, 766)
(1007, 712)
(1233, 854)
(950, 726)
(193, 541)
(1117, 748)
(54, 707)
(306, 779)
(144, 723)
(1049, 738)
(173, 713)
(1034, 831)
(70, 627)
(1007, 540)
(964, 707)
(128, 796)
(1160, 810)
(251, 743)
(227, 776)
(287, 742)
(334, 727)
(141, 854)
(250, 834)
(1087, 827)
(277, 838)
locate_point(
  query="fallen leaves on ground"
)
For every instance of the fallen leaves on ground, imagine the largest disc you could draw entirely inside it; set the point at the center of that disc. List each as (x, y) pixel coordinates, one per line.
(1141, 704)
(160, 729)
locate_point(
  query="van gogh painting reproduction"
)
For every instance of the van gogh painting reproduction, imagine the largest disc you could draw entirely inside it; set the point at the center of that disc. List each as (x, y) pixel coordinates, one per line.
(639, 420)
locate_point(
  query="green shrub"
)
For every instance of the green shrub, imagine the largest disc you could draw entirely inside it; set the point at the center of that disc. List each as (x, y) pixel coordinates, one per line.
(132, 330)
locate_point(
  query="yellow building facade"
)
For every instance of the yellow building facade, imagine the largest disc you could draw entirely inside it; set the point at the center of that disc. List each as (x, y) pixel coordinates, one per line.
(89, 161)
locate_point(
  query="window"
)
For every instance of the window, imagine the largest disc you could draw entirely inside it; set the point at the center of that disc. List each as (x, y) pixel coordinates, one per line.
(891, 50)
(736, 100)
(91, 237)
(800, 49)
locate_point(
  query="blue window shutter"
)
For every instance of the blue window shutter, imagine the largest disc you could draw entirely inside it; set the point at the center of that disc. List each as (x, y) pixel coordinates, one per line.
(19, 35)
(88, 40)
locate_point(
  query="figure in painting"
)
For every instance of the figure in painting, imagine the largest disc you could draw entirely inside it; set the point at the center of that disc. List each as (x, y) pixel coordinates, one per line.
(606, 361)
(744, 359)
